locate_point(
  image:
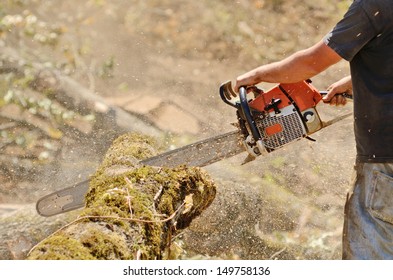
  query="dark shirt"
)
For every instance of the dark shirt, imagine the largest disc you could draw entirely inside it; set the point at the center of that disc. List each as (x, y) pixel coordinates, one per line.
(364, 37)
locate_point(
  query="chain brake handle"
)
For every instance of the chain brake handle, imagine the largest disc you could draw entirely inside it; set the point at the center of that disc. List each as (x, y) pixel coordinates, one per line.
(226, 93)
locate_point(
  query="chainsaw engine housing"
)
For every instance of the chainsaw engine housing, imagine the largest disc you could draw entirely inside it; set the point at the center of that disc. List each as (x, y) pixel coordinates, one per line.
(272, 119)
(286, 113)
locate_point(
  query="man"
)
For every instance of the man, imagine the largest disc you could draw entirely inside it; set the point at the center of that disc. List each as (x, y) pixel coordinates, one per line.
(364, 37)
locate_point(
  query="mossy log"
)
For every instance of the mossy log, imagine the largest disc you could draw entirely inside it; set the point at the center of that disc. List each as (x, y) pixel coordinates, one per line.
(132, 211)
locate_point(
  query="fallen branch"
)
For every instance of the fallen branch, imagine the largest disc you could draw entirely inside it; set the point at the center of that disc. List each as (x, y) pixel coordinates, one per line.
(72, 95)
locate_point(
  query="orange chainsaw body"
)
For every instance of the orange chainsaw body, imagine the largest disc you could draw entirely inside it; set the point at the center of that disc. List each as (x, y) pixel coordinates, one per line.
(284, 100)
(303, 94)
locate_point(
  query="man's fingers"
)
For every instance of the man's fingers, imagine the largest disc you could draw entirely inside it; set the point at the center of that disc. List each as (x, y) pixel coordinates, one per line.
(337, 100)
(341, 100)
(329, 96)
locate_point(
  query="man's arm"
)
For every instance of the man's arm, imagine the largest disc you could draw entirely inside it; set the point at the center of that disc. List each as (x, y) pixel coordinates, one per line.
(299, 66)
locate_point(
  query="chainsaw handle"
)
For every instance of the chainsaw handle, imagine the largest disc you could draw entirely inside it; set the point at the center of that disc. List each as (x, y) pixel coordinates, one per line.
(346, 95)
(226, 91)
(248, 115)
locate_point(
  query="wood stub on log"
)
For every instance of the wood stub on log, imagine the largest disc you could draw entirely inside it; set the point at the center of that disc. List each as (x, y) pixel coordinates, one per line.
(132, 211)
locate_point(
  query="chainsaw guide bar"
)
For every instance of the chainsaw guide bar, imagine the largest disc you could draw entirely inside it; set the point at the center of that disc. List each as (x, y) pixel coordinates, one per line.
(267, 122)
(201, 153)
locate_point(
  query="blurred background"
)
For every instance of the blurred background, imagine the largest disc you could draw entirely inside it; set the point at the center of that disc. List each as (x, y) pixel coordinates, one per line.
(76, 74)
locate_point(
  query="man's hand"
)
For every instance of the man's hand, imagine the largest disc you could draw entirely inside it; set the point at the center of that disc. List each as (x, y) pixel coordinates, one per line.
(246, 80)
(342, 86)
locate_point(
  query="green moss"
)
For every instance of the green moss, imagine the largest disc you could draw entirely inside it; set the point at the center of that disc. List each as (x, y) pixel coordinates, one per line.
(140, 186)
(128, 149)
(61, 247)
(105, 244)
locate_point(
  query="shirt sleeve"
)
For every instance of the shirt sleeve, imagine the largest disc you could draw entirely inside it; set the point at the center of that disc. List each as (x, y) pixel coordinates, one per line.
(351, 33)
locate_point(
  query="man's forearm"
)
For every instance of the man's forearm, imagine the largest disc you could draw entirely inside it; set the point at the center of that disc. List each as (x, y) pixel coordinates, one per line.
(290, 70)
(297, 67)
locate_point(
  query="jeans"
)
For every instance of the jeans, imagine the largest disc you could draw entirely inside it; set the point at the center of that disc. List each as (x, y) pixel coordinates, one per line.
(368, 220)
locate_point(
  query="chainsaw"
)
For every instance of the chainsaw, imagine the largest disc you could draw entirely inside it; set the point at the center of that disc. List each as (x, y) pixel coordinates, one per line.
(266, 121)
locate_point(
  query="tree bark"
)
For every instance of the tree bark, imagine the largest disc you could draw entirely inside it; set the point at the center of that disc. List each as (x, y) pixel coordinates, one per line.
(132, 211)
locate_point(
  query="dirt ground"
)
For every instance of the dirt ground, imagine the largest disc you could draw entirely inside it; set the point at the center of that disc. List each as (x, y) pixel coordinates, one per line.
(169, 64)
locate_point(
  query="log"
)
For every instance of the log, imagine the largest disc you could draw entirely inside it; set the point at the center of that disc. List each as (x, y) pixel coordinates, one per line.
(22, 228)
(132, 211)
